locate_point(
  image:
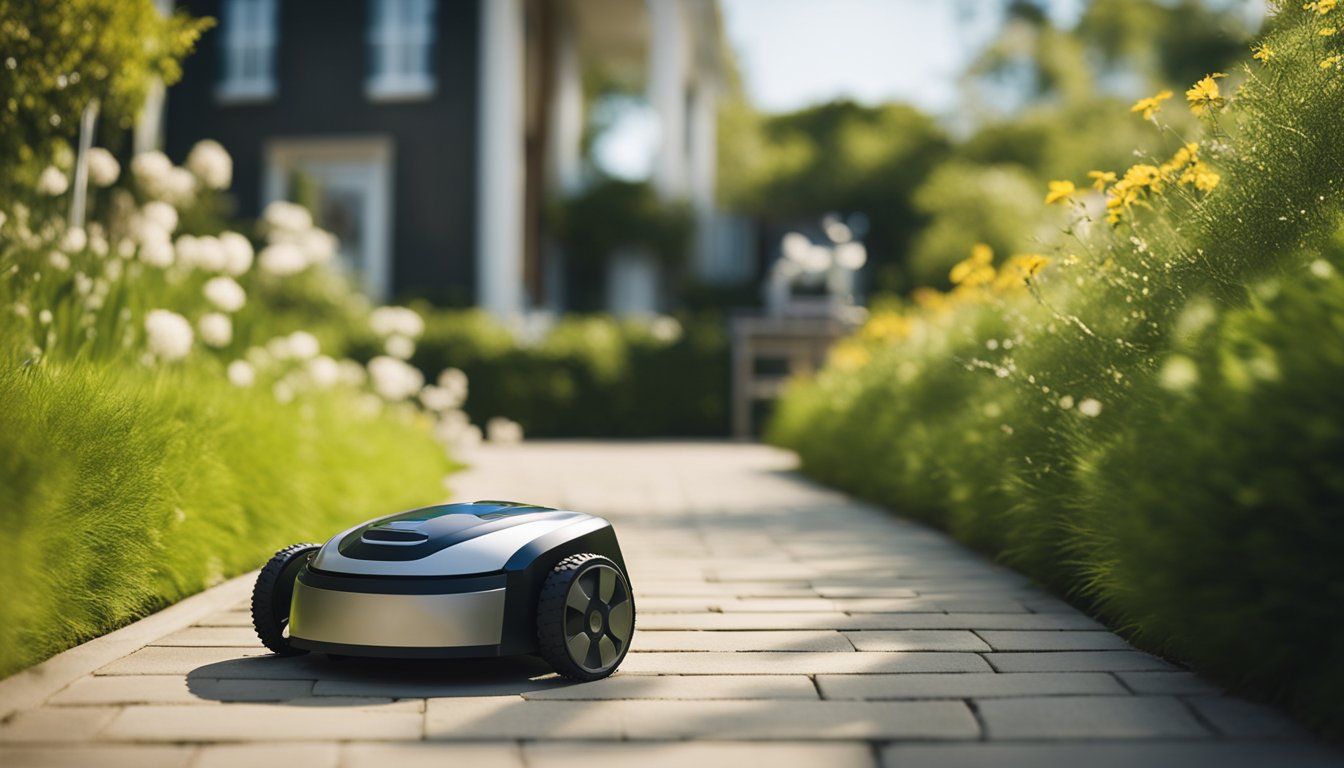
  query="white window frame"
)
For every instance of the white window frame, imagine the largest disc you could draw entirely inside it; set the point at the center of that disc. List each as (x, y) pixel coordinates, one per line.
(284, 156)
(401, 50)
(247, 30)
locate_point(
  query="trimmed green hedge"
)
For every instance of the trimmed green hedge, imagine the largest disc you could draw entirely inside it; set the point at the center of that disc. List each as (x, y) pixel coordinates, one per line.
(122, 490)
(589, 375)
(1152, 424)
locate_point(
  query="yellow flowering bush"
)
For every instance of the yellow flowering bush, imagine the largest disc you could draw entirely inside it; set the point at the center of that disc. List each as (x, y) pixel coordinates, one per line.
(1123, 413)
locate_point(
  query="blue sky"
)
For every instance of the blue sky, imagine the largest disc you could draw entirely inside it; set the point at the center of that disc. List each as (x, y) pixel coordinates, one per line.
(793, 53)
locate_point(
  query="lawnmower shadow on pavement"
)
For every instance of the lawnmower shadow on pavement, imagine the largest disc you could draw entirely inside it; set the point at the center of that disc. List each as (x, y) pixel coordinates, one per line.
(320, 680)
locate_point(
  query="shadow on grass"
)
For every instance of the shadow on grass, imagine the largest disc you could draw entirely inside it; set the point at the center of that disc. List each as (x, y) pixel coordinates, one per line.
(279, 679)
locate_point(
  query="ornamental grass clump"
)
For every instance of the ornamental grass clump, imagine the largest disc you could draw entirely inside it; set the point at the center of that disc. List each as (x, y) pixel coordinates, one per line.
(1143, 413)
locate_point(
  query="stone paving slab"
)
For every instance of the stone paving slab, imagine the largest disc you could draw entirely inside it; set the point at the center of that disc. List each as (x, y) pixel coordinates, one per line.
(1089, 717)
(967, 686)
(917, 640)
(513, 717)
(806, 663)
(259, 722)
(1078, 661)
(780, 623)
(782, 640)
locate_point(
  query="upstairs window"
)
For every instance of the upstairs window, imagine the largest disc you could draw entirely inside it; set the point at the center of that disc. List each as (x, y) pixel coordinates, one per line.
(401, 48)
(247, 46)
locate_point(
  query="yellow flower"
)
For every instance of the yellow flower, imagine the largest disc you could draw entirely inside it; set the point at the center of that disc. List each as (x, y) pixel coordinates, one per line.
(1143, 175)
(976, 270)
(1321, 7)
(1101, 178)
(1059, 191)
(1327, 32)
(849, 356)
(1263, 53)
(1019, 270)
(886, 326)
(1204, 95)
(929, 299)
(1331, 61)
(1203, 177)
(1150, 105)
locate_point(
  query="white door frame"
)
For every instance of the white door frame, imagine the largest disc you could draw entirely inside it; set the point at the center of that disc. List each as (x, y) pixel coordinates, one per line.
(283, 156)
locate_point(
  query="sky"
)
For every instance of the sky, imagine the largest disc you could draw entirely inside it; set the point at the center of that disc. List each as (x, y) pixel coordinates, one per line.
(795, 53)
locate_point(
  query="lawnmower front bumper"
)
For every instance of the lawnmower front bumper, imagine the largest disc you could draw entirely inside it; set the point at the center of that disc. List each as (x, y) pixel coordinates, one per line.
(401, 617)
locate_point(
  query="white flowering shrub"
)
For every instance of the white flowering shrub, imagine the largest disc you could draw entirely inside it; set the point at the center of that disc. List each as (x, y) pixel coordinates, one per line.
(145, 281)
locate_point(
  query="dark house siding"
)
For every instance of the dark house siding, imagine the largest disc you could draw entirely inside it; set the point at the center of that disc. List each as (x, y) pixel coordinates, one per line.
(321, 67)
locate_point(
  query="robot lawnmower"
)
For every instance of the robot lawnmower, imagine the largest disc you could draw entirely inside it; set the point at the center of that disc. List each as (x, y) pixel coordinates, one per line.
(489, 578)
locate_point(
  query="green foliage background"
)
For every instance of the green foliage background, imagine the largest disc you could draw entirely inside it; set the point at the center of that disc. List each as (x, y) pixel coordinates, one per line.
(588, 375)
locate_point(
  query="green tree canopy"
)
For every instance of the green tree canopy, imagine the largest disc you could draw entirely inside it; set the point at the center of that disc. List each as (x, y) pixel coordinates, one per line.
(56, 57)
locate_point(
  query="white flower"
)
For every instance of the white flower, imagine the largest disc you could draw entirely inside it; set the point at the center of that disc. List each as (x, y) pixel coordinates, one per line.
(393, 379)
(399, 347)
(665, 329)
(396, 321)
(3, 218)
(241, 374)
(455, 431)
(151, 170)
(504, 431)
(103, 167)
(74, 239)
(287, 217)
(1322, 269)
(237, 253)
(211, 164)
(351, 372)
(324, 372)
(98, 244)
(282, 259)
(216, 330)
(1066, 402)
(1090, 407)
(318, 245)
(156, 217)
(45, 317)
(276, 349)
(438, 399)
(454, 382)
(203, 252)
(59, 261)
(179, 186)
(52, 182)
(84, 284)
(303, 345)
(168, 334)
(157, 252)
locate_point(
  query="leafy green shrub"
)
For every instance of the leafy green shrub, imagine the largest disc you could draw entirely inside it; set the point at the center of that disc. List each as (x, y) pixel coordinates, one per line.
(586, 375)
(1148, 420)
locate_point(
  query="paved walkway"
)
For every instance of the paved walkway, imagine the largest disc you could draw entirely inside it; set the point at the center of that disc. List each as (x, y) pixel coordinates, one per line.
(780, 624)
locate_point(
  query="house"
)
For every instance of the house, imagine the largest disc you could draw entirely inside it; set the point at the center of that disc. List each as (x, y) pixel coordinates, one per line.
(429, 134)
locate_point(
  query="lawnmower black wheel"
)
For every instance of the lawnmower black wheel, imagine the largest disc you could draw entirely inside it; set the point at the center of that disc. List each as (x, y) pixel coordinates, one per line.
(272, 593)
(585, 617)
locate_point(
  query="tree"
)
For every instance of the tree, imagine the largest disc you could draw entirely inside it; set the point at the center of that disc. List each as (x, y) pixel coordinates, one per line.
(56, 57)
